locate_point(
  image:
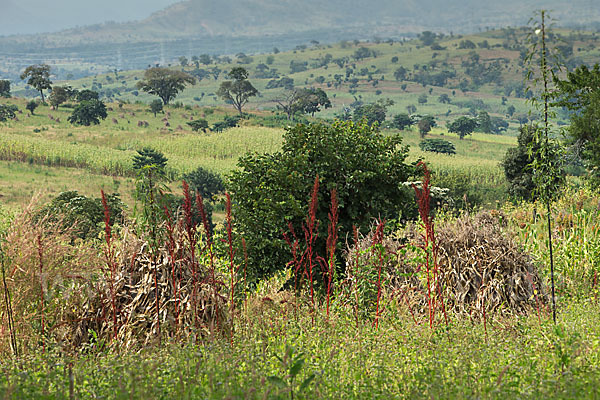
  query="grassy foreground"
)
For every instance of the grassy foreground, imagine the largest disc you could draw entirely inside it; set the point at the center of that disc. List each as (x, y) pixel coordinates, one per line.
(517, 357)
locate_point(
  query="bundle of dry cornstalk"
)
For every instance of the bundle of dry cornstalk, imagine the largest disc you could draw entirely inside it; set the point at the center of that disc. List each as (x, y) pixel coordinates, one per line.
(478, 268)
(186, 304)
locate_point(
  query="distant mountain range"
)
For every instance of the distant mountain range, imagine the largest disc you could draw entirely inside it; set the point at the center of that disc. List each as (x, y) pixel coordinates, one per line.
(236, 18)
(225, 26)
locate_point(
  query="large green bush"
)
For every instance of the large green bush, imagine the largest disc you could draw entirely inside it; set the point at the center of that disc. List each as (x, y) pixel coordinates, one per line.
(270, 190)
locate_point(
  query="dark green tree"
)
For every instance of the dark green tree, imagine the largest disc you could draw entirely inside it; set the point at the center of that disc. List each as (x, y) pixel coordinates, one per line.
(438, 146)
(580, 93)
(156, 106)
(165, 83)
(403, 121)
(87, 94)
(59, 95)
(7, 111)
(148, 157)
(199, 124)
(462, 126)
(373, 112)
(88, 112)
(4, 88)
(313, 100)
(38, 76)
(205, 182)
(31, 106)
(517, 165)
(424, 126)
(271, 190)
(238, 90)
(82, 216)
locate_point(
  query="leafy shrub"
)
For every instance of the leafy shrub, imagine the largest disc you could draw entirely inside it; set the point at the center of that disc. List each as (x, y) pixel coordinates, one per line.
(438, 146)
(272, 190)
(228, 122)
(83, 215)
(7, 111)
(207, 183)
(199, 124)
(88, 112)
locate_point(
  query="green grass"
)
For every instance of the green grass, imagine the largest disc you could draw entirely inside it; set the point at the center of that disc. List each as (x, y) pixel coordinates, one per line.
(518, 358)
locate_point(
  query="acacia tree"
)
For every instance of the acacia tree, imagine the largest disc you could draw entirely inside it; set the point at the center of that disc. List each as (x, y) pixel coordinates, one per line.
(165, 83)
(462, 126)
(39, 77)
(59, 95)
(238, 90)
(88, 112)
(4, 88)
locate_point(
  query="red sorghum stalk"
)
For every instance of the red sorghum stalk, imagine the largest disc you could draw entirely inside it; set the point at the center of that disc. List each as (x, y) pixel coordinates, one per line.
(430, 247)
(109, 255)
(8, 303)
(378, 246)
(310, 235)
(296, 262)
(171, 245)
(233, 270)
(212, 281)
(191, 236)
(41, 270)
(354, 281)
(332, 235)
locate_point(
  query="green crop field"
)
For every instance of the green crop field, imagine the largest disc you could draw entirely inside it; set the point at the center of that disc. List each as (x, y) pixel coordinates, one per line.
(445, 299)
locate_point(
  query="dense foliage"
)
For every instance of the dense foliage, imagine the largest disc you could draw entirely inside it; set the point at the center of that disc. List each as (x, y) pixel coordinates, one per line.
(82, 216)
(438, 146)
(272, 190)
(580, 93)
(88, 112)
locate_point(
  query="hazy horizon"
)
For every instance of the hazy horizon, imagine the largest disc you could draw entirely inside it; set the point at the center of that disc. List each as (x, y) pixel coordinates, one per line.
(39, 16)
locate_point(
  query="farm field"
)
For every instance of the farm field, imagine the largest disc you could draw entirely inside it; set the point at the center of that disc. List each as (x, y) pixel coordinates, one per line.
(325, 259)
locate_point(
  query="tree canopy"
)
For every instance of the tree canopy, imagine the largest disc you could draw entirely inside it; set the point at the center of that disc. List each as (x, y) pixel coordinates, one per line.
(88, 112)
(4, 88)
(238, 90)
(165, 83)
(463, 126)
(269, 191)
(38, 76)
(580, 93)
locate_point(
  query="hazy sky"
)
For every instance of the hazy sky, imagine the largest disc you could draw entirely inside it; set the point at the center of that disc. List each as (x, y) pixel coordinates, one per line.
(35, 16)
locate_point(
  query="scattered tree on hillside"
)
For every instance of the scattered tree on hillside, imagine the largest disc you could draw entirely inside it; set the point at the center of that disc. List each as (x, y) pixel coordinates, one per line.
(88, 112)
(205, 182)
(313, 100)
(59, 95)
(38, 76)
(444, 98)
(374, 112)
(87, 94)
(156, 106)
(439, 146)
(165, 83)
(7, 111)
(400, 73)
(31, 106)
(424, 126)
(238, 90)
(462, 126)
(403, 121)
(4, 88)
(199, 124)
